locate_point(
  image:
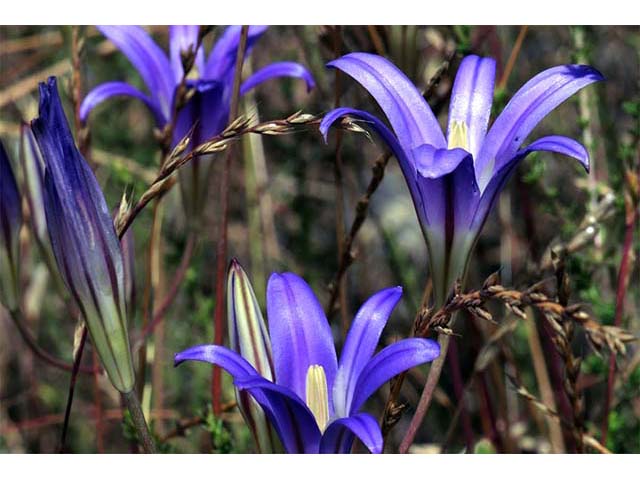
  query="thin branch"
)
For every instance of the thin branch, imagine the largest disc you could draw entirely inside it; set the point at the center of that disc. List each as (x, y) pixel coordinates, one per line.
(72, 386)
(42, 354)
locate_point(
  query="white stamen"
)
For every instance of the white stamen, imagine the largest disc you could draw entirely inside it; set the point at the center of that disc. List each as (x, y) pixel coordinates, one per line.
(459, 136)
(318, 395)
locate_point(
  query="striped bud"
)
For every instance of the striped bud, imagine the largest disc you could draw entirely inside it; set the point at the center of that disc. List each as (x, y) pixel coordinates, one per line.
(249, 337)
(83, 239)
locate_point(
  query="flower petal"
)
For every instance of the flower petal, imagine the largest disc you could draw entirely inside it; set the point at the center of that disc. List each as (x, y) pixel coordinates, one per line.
(409, 114)
(446, 185)
(240, 369)
(391, 361)
(339, 435)
(525, 110)
(300, 333)
(227, 359)
(471, 99)
(207, 106)
(114, 89)
(183, 38)
(148, 59)
(563, 145)
(434, 162)
(292, 419)
(222, 58)
(553, 143)
(360, 345)
(279, 69)
(404, 157)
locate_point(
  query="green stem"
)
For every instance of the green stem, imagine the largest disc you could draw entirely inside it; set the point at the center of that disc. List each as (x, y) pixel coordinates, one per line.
(140, 424)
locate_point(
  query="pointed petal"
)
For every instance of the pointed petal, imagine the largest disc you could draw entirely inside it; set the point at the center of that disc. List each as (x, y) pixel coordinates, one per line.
(183, 38)
(300, 333)
(292, 419)
(227, 359)
(360, 345)
(114, 89)
(559, 144)
(554, 143)
(339, 435)
(471, 99)
(391, 361)
(375, 124)
(148, 59)
(409, 114)
(222, 58)
(279, 69)
(525, 110)
(247, 329)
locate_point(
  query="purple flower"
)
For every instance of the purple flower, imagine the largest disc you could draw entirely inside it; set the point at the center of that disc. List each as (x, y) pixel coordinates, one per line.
(314, 400)
(161, 74)
(10, 221)
(454, 180)
(211, 81)
(83, 238)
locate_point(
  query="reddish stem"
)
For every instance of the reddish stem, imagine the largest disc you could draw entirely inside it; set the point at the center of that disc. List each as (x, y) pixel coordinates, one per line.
(221, 250)
(623, 278)
(458, 389)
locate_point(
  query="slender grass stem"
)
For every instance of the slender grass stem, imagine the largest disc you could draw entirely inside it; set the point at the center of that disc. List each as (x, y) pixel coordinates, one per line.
(621, 291)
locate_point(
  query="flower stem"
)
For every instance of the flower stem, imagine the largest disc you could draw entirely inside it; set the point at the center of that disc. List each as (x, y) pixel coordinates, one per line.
(140, 424)
(221, 248)
(427, 394)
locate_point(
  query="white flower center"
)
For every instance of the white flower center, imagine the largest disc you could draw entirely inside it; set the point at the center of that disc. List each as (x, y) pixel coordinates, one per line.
(459, 136)
(318, 395)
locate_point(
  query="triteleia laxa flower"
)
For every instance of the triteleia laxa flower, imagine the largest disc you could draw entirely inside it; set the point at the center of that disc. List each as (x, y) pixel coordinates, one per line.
(454, 180)
(10, 222)
(313, 400)
(211, 81)
(83, 238)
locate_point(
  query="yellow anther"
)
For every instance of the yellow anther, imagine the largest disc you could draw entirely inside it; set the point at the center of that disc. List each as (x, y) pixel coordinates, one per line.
(459, 136)
(318, 395)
